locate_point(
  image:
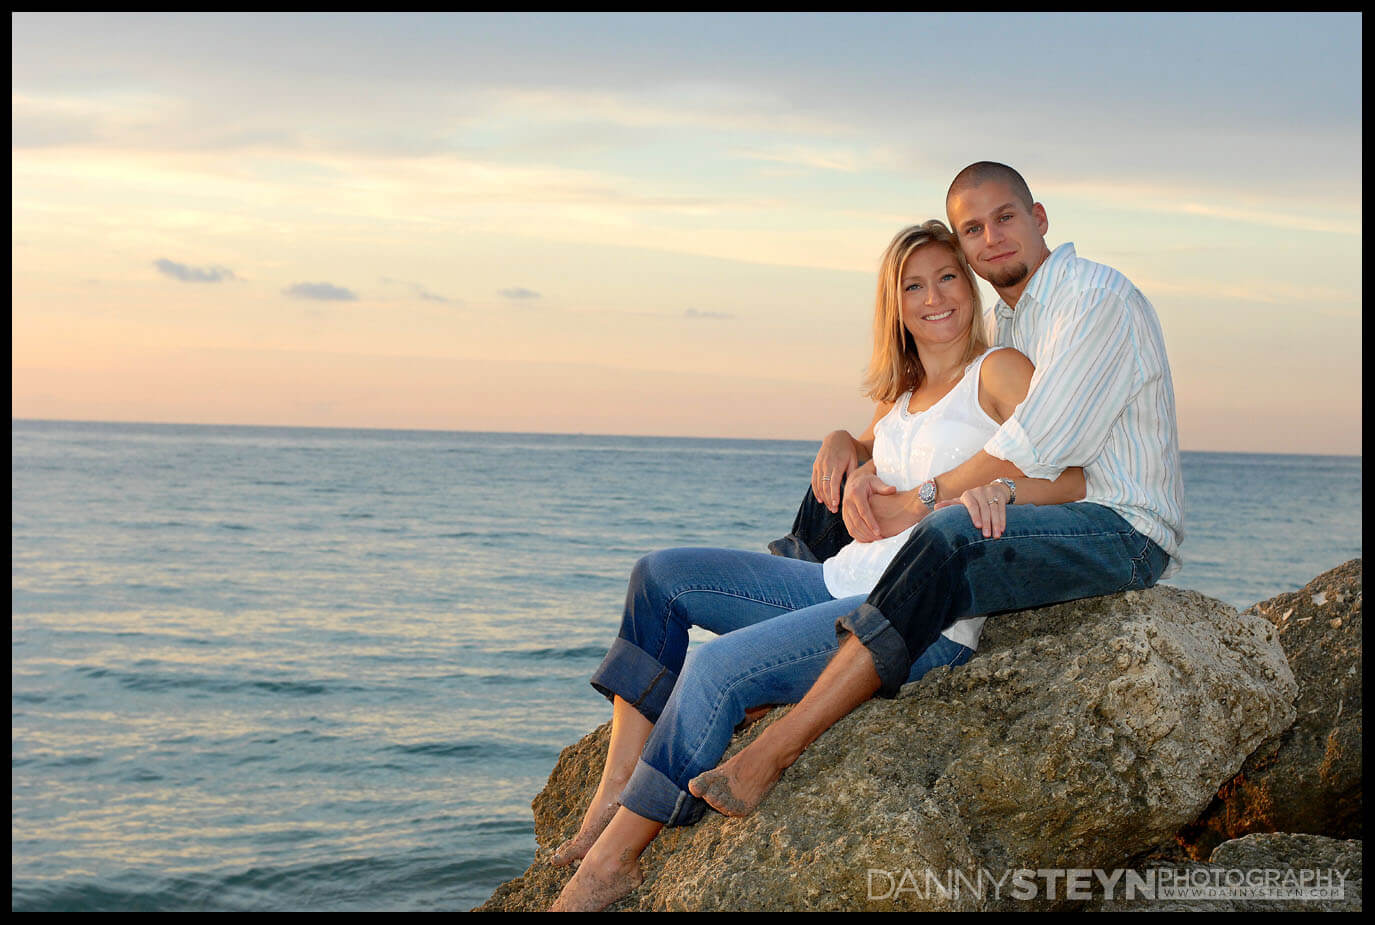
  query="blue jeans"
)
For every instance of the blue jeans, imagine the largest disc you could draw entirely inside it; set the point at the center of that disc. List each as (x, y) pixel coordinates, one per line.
(817, 533)
(948, 570)
(777, 631)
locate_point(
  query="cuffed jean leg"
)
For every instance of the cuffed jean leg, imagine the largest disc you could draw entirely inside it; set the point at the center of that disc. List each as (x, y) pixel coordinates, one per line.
(773, 662)
(720, 590)
(948, 570)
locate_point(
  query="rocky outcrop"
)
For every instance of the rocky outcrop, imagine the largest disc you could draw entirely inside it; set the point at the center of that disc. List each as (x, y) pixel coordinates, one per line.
(1081, 735)
(1309, 778)
(1277, 872)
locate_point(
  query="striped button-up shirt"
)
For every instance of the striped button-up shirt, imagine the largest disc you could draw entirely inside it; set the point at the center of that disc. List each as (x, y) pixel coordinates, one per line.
(1101, 396)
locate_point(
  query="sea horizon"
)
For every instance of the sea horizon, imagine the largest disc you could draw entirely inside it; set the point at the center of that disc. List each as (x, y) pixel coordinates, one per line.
(546, 433)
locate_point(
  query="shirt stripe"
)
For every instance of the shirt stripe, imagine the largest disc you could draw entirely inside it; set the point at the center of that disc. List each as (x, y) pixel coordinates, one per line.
(1101, 396)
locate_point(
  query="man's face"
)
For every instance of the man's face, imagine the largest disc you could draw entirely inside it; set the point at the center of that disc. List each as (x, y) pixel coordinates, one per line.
(1001, 239)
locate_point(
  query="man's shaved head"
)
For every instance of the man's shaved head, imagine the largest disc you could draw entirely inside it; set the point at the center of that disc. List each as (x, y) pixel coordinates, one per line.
(1001, 229)
(980, 173)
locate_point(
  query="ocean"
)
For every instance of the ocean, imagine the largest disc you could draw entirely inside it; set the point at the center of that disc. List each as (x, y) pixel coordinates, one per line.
(287, 668)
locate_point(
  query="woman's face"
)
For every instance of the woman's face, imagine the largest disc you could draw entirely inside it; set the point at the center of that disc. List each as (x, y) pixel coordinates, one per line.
(937, 303)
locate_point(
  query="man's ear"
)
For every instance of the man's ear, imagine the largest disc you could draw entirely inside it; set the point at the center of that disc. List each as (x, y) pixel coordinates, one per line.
(1038, 212)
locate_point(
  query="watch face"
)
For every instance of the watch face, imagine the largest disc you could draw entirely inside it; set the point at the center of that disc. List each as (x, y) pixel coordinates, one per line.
(927, 492)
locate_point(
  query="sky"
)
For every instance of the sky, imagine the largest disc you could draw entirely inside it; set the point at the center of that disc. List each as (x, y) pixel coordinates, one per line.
(654, 223)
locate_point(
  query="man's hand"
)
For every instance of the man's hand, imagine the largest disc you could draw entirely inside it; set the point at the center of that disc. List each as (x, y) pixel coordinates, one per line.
(836, 459)
(894, 512)
(873, 509)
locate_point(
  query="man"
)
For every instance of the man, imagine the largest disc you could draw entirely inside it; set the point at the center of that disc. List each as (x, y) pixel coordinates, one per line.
(1101, 398)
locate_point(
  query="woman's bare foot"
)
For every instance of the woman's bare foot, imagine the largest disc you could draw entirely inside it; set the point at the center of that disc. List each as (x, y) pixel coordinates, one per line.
(593, 823)
(737, 787)
(600, 880)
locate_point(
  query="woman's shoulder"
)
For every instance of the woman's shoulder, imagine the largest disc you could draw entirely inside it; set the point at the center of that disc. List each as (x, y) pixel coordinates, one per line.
(1004, 362)
(1004, 379)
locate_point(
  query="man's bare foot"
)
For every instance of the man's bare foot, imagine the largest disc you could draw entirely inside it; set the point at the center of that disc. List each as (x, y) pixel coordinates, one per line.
(596, 885)
(593, 823)
(737, 787)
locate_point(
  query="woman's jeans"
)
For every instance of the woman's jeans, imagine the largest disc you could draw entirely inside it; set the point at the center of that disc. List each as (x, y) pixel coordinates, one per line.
(777, 631)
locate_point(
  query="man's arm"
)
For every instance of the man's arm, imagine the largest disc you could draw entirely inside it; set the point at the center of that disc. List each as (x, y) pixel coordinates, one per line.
(873, 515)
(1085, 375)
(892, 513)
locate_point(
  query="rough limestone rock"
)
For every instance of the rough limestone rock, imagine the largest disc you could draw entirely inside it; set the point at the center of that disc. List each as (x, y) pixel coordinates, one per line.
(1080, 736)
(1309, 778)
(1275, 860)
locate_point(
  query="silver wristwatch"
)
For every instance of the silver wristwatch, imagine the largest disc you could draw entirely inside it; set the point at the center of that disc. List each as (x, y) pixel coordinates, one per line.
(927, 493)
(1011, 490)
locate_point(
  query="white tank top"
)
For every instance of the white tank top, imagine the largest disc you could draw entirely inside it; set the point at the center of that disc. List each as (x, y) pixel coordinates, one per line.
(910, 448)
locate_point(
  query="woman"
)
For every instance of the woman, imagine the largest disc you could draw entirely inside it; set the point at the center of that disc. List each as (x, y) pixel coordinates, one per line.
(940, 394)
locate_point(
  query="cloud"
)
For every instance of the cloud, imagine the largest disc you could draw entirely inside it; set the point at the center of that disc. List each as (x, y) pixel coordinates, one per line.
(710, 316)
(193, 274)
(324, 292)
(517, 292)
(816, 158)
(421, 292)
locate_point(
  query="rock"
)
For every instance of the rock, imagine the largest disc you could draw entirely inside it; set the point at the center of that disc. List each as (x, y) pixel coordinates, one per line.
(1309, 778)
(1276, 861)
(1081, 735)
(1286, 851)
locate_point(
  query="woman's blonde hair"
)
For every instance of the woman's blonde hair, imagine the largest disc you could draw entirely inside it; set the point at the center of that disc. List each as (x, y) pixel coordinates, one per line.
(895, 368)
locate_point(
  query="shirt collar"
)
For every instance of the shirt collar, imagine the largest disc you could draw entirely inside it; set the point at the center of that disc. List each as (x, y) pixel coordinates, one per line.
(1047, 275)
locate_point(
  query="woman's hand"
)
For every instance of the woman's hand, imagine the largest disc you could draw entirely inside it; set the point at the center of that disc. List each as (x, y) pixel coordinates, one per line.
(836, 459)
(987, 506)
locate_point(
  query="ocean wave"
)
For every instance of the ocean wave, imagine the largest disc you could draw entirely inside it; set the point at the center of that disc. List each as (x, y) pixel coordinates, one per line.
(155, 682)
(484, 751)
(359, 883)
(84, 896)
(554, 653)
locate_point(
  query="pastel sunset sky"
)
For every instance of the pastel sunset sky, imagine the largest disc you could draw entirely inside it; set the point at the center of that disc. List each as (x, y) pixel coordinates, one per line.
(654, 223)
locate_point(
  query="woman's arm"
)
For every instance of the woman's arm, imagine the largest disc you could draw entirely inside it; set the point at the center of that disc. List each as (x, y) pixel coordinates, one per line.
(839, 456)
(1003, 382)
(1004, 379)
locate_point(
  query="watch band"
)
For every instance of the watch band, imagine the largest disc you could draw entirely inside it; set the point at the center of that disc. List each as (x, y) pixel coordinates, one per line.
(1011, 490)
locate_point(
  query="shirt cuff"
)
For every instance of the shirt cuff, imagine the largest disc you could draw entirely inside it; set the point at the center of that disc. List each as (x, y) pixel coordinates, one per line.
(1012, 443)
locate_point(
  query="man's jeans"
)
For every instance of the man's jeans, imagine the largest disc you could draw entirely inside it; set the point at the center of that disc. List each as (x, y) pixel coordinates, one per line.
(778, 631)
(948, 570)
(817, 534)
